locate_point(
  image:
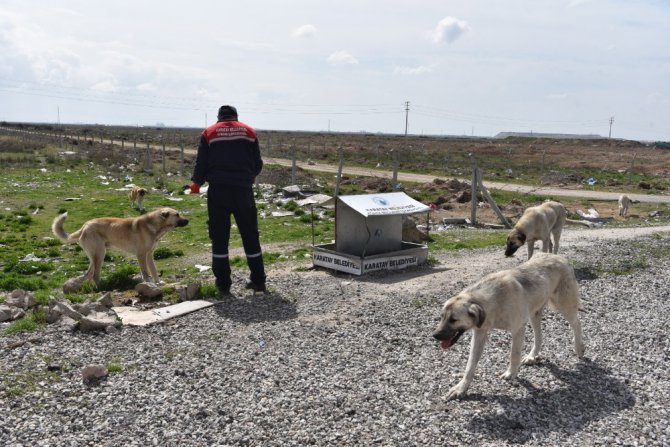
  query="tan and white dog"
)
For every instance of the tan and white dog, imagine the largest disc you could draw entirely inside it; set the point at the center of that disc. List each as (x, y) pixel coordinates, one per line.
(136, 235)
(137, 195)
(507, 300)
(624, 204)
(540, 223)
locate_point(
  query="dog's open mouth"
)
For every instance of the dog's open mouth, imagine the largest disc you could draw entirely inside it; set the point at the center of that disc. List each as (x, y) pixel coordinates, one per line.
(448, 343)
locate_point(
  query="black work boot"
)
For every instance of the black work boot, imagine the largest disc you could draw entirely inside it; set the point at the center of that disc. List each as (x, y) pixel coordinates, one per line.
(255, 287)
(224, 289)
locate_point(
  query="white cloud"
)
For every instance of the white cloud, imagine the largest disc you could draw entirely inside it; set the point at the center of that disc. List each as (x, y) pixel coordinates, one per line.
(108, 86)
(449, 29)
(342, 57)
(146, 87)
(305, 31)
(413, 71)
(575, 3)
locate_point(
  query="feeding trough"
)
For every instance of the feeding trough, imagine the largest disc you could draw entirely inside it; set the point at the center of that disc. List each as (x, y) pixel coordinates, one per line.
(368, 234)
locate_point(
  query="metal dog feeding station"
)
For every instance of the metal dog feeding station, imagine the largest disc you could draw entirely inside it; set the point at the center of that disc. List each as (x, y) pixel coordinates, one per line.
(368, 234)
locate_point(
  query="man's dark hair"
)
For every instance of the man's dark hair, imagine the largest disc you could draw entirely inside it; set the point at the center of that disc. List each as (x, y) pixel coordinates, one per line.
(227, 113)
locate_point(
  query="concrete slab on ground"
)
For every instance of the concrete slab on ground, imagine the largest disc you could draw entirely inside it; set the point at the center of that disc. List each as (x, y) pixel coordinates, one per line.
(131, 316)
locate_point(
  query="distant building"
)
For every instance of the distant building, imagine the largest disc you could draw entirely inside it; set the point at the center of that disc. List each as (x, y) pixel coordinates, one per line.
(548, 135)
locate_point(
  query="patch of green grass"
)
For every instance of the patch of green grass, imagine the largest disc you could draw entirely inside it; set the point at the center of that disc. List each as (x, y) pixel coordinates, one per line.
(115, 366)
(27, 382)
(27, 267)
(502, 197)
(291, 205)
(209, 290)
(167, 252)
(33, 320)
(120, 279)
(301, 252)
(467, 239)
(13, 281)
(42, 296)
(269, 258)
(84, 294)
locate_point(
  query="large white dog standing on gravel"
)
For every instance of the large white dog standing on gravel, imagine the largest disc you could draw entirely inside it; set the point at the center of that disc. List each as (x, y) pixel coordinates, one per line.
(540, 223)
(507, 300)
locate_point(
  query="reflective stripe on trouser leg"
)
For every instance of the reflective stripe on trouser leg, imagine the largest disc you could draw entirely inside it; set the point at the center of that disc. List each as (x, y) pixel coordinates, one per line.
(255, 263)
(218, 208)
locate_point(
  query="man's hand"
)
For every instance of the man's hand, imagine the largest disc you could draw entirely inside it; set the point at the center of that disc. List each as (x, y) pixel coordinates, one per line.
(195, 188)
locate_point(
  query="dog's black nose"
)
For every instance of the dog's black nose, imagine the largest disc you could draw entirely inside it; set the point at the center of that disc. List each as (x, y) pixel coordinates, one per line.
(182, 222)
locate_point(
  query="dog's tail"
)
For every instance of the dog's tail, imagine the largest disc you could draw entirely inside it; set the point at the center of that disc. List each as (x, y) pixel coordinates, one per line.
(586, 223)
(57, 229)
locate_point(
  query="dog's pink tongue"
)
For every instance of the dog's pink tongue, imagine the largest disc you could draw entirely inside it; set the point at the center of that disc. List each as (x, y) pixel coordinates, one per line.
(446, 344)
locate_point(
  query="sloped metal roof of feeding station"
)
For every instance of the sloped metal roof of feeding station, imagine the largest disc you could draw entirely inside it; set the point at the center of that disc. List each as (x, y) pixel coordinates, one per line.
(384, 204)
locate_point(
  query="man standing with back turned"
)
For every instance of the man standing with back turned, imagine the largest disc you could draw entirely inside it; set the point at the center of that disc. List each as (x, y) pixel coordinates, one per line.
(229, 159)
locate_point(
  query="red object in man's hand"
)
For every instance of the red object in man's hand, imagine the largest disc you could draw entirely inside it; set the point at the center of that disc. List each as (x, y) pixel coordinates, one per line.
(195, 188)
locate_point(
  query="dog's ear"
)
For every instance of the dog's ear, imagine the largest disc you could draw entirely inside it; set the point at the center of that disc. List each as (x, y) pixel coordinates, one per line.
(522, 236)
(477, 313)
(165, 214)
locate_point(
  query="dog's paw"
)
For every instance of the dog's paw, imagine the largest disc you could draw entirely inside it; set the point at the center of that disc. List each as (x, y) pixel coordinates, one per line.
(508, 375)
(531, 360)
(457, 391)
(580, 350)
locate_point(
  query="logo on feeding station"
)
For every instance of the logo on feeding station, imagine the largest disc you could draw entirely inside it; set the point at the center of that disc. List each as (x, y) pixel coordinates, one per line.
(380, 201)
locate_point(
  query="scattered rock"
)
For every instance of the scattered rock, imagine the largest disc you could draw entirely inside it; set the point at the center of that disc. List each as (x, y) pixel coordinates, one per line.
(292, 191)
(189, 292)
(148, 290)
(93, 374)
(73, 284)
(60, 308)
(21, 298)
(10, 313)
(106, 300)
(97, 321)
(66, 323)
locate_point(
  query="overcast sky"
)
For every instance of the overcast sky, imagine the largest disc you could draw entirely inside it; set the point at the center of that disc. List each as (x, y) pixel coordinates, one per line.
(466, 67)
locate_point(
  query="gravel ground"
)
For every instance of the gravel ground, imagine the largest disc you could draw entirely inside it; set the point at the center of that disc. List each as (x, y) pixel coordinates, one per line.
(331, 359)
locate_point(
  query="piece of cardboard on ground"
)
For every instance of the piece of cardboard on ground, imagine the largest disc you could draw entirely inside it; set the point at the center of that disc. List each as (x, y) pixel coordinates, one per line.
(131, 316)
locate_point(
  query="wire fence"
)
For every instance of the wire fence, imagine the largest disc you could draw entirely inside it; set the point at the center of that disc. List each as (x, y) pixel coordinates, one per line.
(532, 161)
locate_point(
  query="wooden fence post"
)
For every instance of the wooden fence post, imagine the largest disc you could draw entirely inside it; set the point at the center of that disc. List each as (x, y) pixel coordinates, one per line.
(632, 168)
(293, 165)
(395, 167)
(148, 162)
(473, 190)
(340, 152)
(181, 150)
(494, 205)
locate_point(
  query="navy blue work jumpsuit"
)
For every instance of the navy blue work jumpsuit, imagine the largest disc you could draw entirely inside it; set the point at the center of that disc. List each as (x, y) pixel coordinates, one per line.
(229, 160)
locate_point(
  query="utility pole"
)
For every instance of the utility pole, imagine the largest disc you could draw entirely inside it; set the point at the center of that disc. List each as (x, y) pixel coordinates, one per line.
(60, 133)
(406, 116)
(611, 121)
